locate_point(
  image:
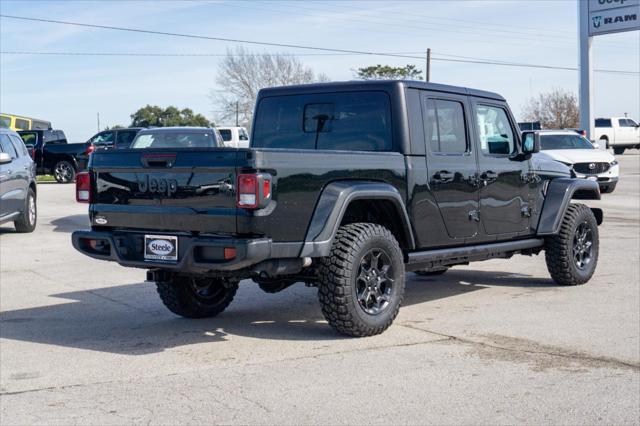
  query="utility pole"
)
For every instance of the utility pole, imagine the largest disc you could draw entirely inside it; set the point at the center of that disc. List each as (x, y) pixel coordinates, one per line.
(237, 113)
(98, 121)
(428, 74)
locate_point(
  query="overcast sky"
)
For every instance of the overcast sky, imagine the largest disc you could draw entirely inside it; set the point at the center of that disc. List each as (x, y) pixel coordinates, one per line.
(70, 90)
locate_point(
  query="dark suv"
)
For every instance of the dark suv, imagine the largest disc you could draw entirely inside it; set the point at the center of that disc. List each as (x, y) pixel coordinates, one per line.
(346, 186)
(105, 140)
(17, 183)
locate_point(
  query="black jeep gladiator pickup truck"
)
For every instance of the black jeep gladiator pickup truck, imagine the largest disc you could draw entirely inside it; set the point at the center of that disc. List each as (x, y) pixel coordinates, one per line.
(346, 186)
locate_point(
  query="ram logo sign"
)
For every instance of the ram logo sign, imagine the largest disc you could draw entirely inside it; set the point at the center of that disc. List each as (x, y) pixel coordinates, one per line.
(612, 16)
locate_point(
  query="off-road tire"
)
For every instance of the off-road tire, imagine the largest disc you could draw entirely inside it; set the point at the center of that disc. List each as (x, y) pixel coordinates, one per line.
(618, 151)
(64, 172)
(338, 274)
(179, 296)
(28, 219)
(430, 273)
(559, 249)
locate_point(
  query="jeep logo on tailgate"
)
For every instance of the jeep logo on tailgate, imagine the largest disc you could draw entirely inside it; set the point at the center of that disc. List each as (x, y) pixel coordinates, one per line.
(157, 185)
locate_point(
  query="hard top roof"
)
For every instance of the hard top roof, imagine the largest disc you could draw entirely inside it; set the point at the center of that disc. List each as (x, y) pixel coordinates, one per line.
(377, 84)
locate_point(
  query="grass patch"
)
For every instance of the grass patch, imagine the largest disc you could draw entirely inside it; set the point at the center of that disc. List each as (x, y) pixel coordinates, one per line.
(45, 178)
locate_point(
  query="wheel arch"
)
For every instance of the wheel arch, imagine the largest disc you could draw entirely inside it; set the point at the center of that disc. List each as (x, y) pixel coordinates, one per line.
(346, 202)
(559, 194)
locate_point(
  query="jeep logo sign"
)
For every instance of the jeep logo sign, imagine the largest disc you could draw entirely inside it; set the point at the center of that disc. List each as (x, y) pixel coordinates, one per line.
(160, 247)
(162, 186)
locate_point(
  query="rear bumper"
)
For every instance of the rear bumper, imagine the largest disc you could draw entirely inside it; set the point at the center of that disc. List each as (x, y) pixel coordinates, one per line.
(195, 254)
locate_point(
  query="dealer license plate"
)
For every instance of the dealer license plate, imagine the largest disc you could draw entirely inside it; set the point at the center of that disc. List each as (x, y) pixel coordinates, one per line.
(161, 247)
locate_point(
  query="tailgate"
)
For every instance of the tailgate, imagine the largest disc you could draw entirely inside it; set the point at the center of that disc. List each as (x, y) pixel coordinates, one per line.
(171, 190)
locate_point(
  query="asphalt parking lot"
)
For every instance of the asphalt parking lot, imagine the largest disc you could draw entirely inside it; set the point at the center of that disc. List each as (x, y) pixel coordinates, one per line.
(84, 341)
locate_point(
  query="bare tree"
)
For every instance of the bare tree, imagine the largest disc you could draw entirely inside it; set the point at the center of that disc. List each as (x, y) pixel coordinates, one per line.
(554, 110)
(243, 74)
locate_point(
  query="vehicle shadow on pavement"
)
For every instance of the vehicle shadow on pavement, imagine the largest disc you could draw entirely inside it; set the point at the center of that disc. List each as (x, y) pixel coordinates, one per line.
(8, 229)
(129, 319)
(71, 223)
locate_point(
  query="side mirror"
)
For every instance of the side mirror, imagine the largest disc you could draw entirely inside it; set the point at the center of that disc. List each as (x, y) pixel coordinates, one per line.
(530, 142)
(595, 144)
(5, 158)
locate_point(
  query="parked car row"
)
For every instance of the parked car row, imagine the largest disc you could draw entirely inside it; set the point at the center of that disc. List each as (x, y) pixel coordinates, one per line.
(53, 155)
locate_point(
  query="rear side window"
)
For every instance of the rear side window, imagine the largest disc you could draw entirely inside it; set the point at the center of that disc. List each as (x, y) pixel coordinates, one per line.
(494, 130)
(5, 122)
(353, 121)
(445, 126)
(603, 122)
(7, 146)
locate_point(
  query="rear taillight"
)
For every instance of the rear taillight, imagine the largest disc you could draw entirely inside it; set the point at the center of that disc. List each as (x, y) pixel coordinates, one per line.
(83, 187)
(33, 153)
(254, 190)
(89, 150)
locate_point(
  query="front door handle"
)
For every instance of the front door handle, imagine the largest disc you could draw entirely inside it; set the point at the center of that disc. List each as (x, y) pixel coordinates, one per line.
(443, 176)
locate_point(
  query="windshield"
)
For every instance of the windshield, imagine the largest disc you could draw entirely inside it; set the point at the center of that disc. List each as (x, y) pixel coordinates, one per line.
(550, 142)
(186, 139)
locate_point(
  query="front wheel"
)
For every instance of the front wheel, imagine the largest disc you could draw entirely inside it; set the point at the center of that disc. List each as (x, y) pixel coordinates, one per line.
(361, 283)
(29, 217)
(64, 172)
(608, 189)
(572, 255)
(196, 297)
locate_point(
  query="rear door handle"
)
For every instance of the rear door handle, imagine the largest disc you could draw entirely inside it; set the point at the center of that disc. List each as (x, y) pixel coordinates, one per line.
(443, 176)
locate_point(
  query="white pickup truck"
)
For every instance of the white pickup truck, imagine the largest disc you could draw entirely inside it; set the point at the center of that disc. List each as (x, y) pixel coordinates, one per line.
(234, 137)
(618, 133)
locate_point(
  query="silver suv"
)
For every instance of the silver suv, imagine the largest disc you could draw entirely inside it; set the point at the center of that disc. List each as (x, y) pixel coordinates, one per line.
(17, 183)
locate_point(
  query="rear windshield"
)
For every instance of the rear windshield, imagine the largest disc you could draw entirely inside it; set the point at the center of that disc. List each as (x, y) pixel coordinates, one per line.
(549, 142)
(185, 139)
(355, 121)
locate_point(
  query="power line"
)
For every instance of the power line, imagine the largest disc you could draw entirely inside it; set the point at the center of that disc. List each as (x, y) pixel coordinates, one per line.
(470, 60)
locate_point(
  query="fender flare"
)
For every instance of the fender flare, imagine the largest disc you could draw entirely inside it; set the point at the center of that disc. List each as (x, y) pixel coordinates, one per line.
(333, 204)
(560, 192)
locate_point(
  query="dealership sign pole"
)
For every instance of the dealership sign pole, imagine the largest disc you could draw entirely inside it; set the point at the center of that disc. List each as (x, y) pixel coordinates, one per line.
(597, 17)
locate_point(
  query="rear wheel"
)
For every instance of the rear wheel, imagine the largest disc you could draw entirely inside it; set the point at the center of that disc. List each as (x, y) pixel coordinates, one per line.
(572, 255)
(361, 283)
(196, 297)
(618, 151)
(64, 172)
(29, 216)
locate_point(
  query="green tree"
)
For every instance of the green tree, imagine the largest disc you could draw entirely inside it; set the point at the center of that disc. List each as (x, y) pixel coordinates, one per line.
(153, 115)
(386, 72)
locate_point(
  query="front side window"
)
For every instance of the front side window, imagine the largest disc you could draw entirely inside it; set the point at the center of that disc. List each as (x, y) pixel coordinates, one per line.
(7, 146)
(445, 126)
(494, 130)
(174, 140)
(353, 121)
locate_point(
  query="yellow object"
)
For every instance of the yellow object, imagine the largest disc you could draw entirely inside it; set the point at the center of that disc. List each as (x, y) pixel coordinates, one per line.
(16, 122)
